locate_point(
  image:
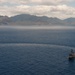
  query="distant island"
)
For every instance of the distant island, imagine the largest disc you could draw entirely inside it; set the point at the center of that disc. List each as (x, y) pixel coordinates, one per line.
(26, 19)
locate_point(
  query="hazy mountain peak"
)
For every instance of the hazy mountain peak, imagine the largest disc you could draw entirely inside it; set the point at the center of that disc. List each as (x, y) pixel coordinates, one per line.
(27, 19)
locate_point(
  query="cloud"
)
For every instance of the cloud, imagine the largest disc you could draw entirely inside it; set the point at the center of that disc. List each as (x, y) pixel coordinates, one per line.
(49, 2)
(60, 11)
(50, 8)
(38, 2)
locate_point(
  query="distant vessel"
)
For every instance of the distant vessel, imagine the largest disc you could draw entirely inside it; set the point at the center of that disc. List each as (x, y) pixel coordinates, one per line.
(71, 55)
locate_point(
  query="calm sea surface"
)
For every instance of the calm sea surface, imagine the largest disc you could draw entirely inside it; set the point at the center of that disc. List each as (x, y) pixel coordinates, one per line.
(35, 51)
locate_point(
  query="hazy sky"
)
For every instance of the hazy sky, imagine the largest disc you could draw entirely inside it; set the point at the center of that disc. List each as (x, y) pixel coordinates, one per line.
(50, 8)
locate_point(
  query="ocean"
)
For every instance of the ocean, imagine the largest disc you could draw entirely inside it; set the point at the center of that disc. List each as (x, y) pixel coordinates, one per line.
(36, 51)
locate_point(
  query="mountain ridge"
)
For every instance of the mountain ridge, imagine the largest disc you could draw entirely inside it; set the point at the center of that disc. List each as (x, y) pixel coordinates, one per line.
(27, 19)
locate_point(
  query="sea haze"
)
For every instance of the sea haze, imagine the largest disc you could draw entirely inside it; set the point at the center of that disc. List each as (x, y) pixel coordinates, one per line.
(58, 27)
(36, 50)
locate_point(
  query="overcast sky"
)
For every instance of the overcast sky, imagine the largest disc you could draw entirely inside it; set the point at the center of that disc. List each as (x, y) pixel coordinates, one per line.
(51, 8)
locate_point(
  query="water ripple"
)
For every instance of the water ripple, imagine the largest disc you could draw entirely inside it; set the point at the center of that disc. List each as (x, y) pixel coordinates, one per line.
(34, 44)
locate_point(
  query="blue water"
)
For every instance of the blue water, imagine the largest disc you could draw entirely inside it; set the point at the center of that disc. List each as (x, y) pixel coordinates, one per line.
(36, 51)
